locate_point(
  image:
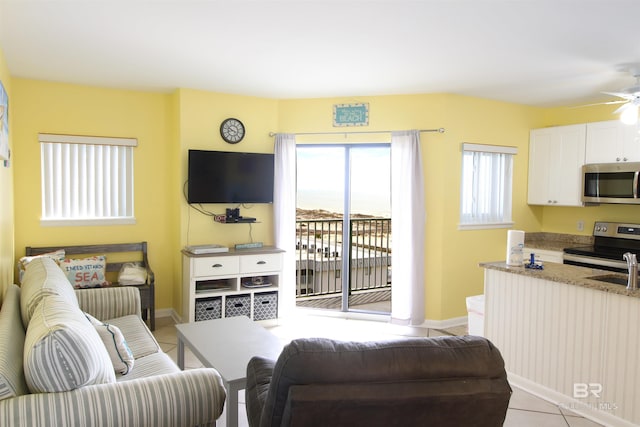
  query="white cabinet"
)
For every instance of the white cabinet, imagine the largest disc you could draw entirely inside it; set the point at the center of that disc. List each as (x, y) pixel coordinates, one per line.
(612, 141)
(556, 157)
(235, 283)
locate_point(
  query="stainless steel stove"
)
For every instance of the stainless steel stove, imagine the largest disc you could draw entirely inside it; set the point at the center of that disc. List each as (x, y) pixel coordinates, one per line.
(610, 241)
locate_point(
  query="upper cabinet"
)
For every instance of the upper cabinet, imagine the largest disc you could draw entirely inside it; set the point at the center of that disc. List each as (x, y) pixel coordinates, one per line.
(556, 157)
(611, 142)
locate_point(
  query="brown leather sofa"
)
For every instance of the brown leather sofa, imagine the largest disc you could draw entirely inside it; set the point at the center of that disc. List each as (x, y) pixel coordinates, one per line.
(444, 381)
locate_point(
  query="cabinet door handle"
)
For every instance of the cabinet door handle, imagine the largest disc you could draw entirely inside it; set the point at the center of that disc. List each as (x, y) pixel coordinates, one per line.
(261, 262)
(216, 265)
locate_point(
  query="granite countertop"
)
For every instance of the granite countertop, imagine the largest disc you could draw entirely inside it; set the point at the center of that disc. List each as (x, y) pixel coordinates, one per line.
(569, 274)
(555, 241)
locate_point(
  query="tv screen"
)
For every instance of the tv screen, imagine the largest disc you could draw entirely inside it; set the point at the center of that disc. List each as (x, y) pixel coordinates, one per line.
(230, 177)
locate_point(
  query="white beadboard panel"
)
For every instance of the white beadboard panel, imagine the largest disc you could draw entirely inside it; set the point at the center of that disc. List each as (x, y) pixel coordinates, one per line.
(622, 374)
(546, 331)
(558, 335)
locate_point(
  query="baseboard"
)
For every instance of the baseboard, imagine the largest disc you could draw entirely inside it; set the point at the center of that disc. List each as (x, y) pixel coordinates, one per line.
(168, 312)
(444, 324)
(567, 402)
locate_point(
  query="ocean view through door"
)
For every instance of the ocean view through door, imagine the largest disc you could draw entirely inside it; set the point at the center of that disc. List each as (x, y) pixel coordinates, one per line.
(343, 227)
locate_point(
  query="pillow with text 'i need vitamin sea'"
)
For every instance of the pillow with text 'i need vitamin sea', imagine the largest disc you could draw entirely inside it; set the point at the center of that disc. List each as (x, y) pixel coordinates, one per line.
(86, 272)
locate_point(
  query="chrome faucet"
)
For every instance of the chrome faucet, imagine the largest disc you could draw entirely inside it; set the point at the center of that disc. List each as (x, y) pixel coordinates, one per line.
(632, 265)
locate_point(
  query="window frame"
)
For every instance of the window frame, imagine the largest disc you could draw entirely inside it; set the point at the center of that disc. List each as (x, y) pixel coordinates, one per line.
(54, 185)
(507, 181)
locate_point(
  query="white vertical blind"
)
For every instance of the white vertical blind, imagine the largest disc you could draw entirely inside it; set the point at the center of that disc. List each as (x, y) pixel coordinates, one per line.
(86, 181)
(487, 176)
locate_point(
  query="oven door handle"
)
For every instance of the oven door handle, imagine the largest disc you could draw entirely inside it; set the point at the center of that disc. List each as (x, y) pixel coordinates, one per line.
(635, 184)
(594, 261)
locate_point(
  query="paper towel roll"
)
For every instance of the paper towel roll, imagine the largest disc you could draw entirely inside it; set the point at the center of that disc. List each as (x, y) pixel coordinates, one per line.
(515, 245)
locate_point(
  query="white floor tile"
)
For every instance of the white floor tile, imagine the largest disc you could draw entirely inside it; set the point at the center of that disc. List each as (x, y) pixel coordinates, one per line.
(520, 399)
(190, 360)
(581, 422)
(522, 418)
(166, 334)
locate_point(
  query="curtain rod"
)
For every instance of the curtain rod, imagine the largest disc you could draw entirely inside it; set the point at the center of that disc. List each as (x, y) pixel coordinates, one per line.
(439, 130)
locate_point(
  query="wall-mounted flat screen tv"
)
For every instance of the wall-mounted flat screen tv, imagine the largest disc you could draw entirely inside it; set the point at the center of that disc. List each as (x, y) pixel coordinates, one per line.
(229, 177)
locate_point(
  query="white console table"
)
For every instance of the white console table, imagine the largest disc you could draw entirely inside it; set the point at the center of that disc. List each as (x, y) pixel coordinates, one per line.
(238, 282)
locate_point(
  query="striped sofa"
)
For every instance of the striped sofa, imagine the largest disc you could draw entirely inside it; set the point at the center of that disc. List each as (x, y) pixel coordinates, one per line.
(87, 358)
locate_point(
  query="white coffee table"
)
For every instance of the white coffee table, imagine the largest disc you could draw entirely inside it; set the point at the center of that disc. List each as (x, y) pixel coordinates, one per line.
(227, 345)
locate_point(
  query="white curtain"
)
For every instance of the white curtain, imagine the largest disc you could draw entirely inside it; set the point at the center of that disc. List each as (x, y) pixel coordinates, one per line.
(284, 211)
(408, 222)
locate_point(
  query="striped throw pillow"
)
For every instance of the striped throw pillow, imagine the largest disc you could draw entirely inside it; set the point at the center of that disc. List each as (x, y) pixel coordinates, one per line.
(62, 350)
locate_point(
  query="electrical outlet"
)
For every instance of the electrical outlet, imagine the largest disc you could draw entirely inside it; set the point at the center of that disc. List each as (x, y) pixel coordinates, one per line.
(580, 225)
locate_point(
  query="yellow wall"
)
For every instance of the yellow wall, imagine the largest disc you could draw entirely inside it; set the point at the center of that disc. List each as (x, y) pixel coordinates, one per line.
(175, 200)
(167, 125)
(485, 122)
(6, 193)
(199, 115)
(72, 109)
(452, 256)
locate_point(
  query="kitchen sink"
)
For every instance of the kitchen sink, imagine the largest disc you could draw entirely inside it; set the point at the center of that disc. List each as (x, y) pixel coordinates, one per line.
(611, 278)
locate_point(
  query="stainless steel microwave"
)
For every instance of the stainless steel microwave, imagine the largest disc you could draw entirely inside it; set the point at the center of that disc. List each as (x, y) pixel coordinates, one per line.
(611, 183)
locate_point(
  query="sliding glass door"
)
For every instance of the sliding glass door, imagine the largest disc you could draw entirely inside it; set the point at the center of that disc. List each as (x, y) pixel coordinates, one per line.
(343, 227)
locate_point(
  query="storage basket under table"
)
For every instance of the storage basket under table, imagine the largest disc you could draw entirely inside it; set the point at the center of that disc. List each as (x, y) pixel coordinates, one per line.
(265, 306)
(238, 305)
(208, 308)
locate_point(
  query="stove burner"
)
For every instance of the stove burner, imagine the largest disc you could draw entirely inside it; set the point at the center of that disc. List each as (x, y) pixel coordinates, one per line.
(600, 252)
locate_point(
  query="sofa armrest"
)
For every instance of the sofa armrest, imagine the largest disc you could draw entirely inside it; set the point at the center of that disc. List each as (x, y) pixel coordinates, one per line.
(259, 374)
(110, 302)
(189, 398)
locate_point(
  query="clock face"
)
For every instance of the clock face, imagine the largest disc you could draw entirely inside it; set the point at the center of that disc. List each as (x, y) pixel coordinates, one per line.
(232, 131)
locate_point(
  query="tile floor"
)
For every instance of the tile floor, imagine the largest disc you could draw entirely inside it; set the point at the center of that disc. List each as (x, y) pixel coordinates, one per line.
(524, 409)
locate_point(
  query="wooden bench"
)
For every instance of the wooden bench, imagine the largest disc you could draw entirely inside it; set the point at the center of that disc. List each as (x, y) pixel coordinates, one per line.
(117, 254)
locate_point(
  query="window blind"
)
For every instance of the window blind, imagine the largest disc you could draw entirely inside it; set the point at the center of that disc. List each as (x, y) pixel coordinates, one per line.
(486, 190)
(84, 180)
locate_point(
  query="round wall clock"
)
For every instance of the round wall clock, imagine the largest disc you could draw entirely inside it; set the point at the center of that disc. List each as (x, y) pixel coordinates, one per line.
(232, 130)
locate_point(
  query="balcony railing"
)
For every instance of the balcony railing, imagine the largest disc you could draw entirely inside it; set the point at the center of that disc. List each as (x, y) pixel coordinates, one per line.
(320, 251)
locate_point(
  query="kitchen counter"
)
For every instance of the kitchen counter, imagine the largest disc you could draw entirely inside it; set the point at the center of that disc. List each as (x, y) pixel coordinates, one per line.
(555, 241)
(569, 274)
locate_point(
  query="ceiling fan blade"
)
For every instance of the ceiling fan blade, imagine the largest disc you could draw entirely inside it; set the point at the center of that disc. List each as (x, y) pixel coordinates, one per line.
(623, 108)
(601, 103)
(620, 95)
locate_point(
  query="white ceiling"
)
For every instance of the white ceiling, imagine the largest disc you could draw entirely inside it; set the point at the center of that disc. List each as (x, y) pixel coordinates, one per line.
(534, 52)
